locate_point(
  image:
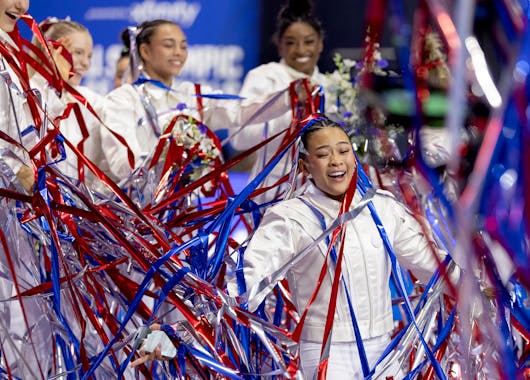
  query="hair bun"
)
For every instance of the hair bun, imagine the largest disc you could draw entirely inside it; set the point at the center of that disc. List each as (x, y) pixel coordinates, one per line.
(294, 9)
(126, 38)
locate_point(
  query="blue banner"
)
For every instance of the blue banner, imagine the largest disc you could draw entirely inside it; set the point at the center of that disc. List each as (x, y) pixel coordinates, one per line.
(223, 36)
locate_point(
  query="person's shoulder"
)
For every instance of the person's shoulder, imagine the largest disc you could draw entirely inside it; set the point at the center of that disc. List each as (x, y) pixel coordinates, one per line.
(384, 194)
(384, 198)
(286, 209)
(90, 95)
(268, 77)
(282, 205)
(323, 79)
(186, 85)
(387, 202)
(320, 75)
(123, 89)
(267, 69)
(268, 66)
(118, 98)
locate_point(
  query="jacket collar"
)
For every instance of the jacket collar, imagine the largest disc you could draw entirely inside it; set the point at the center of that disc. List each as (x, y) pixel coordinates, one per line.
(297, 74)
(321, 199)
(6, 38)
(328, 206)
(156, 92)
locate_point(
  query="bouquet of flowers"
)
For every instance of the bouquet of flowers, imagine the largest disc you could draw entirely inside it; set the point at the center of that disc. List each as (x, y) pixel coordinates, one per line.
(186, 151)
(344, 89)
(192, 150)
(342, 95)
(363, 111)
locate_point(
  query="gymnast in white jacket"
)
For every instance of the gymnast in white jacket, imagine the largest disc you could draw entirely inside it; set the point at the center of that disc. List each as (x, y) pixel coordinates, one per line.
(140, 111)
(292, 225)
(76, 38)
(299, 39)
(15, 114)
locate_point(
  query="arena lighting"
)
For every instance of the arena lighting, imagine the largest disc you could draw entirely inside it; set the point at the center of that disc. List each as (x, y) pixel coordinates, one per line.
(478, 60)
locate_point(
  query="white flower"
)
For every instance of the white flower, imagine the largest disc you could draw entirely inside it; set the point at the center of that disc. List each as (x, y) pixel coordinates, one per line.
(201, 149)
(342, 94)
(349, 62)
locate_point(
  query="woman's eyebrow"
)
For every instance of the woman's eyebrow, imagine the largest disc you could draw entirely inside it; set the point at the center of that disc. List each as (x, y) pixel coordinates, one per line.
(329, 146)
(172, 39)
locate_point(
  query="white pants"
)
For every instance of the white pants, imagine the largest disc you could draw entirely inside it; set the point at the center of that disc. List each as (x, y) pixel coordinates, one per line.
(344, 361)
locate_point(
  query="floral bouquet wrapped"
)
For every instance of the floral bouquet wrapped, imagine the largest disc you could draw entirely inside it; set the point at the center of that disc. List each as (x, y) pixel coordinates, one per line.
(188, 150)
(201, 151)
(350, 104)
(342, 95)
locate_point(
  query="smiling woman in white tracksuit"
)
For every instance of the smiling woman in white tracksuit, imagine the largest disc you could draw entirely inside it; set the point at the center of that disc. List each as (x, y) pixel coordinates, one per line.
(15, 115)
(292, 225)
(139, 111)
(76, 38)
(299, 38)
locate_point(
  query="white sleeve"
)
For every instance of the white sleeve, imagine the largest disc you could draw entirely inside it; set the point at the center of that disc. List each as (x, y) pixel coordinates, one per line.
(120, 110)
(225, 114)
(435, 145)
(255, 84)
(270, 248)
(414, 250)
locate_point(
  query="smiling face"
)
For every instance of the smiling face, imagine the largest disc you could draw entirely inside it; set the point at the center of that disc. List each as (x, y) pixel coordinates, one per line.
(330, 160)
(165, 53)
(81, 49)
(10, 12)
(300, 46)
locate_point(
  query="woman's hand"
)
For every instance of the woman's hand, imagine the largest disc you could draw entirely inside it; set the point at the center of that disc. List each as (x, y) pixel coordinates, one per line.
(146, 356)
(304, 89)
(64, 66)
(26, 177)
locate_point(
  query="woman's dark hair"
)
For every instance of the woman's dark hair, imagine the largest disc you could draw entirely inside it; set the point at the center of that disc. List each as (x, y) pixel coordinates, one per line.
(319, 123)
(296, 11)
(126, 41)
(147, 28)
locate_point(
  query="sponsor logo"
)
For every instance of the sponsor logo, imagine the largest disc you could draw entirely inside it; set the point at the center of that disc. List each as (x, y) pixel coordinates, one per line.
(182, 12)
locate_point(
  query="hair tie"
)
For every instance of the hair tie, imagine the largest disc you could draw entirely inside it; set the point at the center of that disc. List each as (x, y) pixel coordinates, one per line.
(50, 21)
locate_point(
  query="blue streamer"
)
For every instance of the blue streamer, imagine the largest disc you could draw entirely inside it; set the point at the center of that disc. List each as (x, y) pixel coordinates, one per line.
(142, 80)
(358, 338)
(54, 258)
(396, 268)
(225, 217)
(155, 268)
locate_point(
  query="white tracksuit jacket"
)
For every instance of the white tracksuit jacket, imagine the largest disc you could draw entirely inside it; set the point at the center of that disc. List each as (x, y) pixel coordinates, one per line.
(124, 113)
(290, 226)
(267, 78)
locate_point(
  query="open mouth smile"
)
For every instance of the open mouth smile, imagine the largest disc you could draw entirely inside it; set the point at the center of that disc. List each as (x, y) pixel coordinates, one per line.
(337, 175)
